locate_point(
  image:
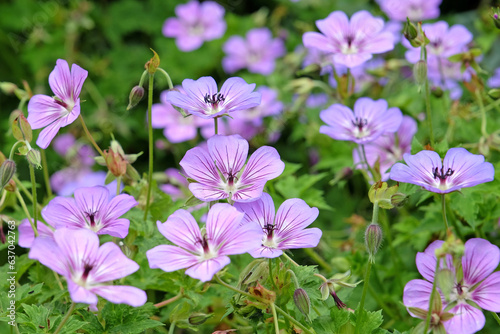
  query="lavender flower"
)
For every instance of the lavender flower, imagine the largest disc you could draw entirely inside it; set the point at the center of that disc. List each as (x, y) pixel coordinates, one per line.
(53, 113)
(91, 209)
(203, 255)
(176, 182)
(478, 284)
(195, 23)
(494, 80)
(351, 42)
(219, 171)
(27, 235)
(88, 268)
(459, 169)
(257, 53)
(204, 100)
(286, 230)
(65, 181)
(369, 120)
(415, 10)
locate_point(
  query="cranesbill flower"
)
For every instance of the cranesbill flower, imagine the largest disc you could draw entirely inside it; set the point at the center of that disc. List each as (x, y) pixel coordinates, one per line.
(64, 182)
(459, 169)
(351, 42)
(27, 235)
(203, 254)
(415, 10)
(219, 171)
(195, 23)
(479, 284)
(203, 99)
(369, 120)
(53, 113)
(91, 209)
(286, 230)
(257, 52)
(88, 268)
(494, 80)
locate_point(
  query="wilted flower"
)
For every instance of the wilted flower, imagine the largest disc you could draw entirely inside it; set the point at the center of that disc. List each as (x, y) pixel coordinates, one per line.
(53, 113)
(459, 169)
(88, 268)
(415, 10)
(203, 255)
(195, 23)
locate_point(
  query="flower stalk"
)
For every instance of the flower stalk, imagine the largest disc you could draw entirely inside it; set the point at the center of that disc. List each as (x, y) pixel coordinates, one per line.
(68, 314)
(150, 131)
(89, 136)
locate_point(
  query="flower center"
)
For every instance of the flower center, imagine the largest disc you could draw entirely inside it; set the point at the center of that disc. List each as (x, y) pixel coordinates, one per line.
(94, 226)
(361, 129)
(441, 174)
(214, 100)
(348, 47)
(82, 279)
(207, 252)
(268, 239)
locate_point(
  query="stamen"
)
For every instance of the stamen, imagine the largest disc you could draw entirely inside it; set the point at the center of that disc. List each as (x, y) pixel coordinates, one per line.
(204, 244)
(91, 216)
(87, 267)
(360, 123)
(441, 174)
(269, 230)
(214, 99)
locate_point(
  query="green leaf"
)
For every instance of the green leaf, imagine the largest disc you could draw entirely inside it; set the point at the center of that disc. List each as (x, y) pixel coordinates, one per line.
(126, 319)
(367, 322)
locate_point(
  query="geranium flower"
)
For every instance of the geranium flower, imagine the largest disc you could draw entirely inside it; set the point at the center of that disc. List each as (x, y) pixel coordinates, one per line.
(257, 52)
(27, 235)
(53, 113)
(369, 120)
(91, 209)
(415, 10)
(478, 284)
(351, 42)
(286, 230)
(203, 255)
(219, 170)
(459, 169)
(195, 23)
(202, 98)
(88, 268)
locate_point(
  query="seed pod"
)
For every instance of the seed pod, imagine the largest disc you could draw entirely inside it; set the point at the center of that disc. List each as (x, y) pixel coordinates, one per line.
(197, 318)
(34, 158)
(409, 30)
(136, 95)
(302, 301)
(7, 171)
(373, 239)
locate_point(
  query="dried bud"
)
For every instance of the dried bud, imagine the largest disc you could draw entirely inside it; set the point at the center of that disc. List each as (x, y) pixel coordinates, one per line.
(117, 165)
(410, 31)
(136, 95)
(153, 64)
(399, 199)
(7, 88)
(7, 171)
(302, 301)
(34, 158)
(21, 129)
(197, 318)
(420, 72)
(373, 239)
(494, 93)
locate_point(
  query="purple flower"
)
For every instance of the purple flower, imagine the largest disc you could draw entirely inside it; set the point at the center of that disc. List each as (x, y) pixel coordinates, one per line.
(257, 53)
(204, 100)
(177, 128)
(459, 169)
(176, 182)
(65, 181)
(53, 113)
(351, 42)
(369, 120)
(219, 171)
(415, 10)
(479, 284)
(91, 209)
(195, 23)
(494, 80)
(286, 230)
(88, 268)
(63, 144)
(27, 235)
(203, 255)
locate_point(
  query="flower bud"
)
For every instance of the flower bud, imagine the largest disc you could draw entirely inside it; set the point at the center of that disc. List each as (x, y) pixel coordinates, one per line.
(420, 72)
(373, 239)
(136, 95)
(34, 158)
(410, 31)
(495, 15)
(7, 171)
(8, 88)
(117, 165)
(197, 318)
(494, 93)
(437, 92)
(153, 64)
(302, 301)
(21, 129)
(399, 199)
(324, 289)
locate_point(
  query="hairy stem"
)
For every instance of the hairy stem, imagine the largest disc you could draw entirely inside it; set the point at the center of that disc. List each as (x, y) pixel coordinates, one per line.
(171, 300)
(63, 322)
(46, 173)
(293, 321)
(216, 125)
(271, 274)
(275, 319)
(433, 294)
(26, 212)
(33, 194)
(150, 131)
(89, 136)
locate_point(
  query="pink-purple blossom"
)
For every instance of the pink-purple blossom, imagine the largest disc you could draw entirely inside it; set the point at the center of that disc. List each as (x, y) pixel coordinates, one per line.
(352, 42)
(415, 10)
(88, 268)
(195, 23)
(459, 169)
(202, 97)
(53, 113)
(369, 120)
(284, 230)
(27, 235)
(494, 80)
(203, 254)
(92, 209)
(479, 284)
(257, 53)
(219, 170)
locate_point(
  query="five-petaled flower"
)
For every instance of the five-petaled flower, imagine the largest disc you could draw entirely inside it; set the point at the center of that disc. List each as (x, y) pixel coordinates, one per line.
(203, 99)
(53, 113)
(284, 231)
(415, 10)
(203, 254)
(219, 170)
(459, 169)
(88, 268)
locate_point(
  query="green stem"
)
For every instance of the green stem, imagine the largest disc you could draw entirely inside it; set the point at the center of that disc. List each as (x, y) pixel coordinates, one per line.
(433, 293)
(293, 321)
(150, 130)
(169, 81)
(271, 274)
(275, 319)
(216, 125)
(496, 317)
(12, 150)
(26, 212)
(46, 173)
(290, 259)
(89, 136)
(316, 257)
(171, 300)
(68, 314)
(171, 329)
(374, 176)
(118, 184)
(294, 278)
(443, 208)
(241, 292)
(2, 198)
(375, 213)
(25, 191)
(483, 114)
(363, 295)
(428, 109)
(33, 193)
(58, 280)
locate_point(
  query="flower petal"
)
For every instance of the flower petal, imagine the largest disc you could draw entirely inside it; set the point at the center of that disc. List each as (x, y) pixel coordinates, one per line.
(111, 264)
(63, 212)
(43, 110)
(307, 238)
(27, 235)
(417, 293)
(78, 76)
(47, 134)
(79, 294)
(183, 230)
(229, 152)
(60, 80)
(468, 169)
(261, 211)
(170, 258)
(92, 200)
(294, 215)
(487, 294)
(77, 246)
(264, 164)
(426, 261)
(122, 294)
(269, 253)
(467, 319)
(419, 170)
(117, 207)
(205, 271)
(200, 166)
(481, 258)
(48, 253)
(239, 95)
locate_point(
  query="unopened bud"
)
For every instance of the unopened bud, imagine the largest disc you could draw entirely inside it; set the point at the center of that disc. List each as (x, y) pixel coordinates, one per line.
(420, 72)
(117, 165)
(495, 15)
(197, 318)
(373, 239)
(153, 64)
(494, 93)
(136, 95)
(302, 301)
(34, 158)
(21, 129)
(8, 88)
(410, 31)
(437, 92)
(324, 289)
(399, 199)
(7, 171)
